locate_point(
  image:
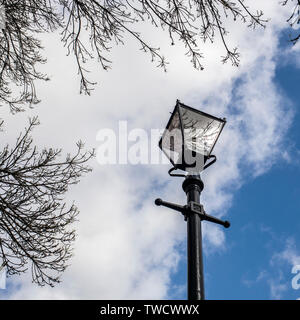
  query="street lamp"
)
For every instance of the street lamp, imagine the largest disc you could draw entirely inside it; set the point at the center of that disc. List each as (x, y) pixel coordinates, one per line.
(188, 141)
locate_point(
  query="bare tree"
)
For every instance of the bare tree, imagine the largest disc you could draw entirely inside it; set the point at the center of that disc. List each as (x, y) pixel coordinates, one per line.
(294, 18)
(35, 222)
(90, 27)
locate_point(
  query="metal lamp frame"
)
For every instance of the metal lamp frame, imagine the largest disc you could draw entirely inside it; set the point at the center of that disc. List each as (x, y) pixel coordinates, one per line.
(183, 166)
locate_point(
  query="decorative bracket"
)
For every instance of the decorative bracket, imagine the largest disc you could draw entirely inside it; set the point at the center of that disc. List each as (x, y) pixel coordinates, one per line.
(192, 207)
(213, 157)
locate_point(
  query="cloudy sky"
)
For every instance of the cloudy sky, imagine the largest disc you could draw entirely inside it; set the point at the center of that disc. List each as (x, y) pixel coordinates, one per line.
(127, 248)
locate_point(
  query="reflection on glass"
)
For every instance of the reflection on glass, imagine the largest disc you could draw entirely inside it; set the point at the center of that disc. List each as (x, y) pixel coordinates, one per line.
(200, 131)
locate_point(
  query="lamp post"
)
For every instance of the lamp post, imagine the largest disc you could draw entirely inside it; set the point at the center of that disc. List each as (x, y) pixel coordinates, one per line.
(188, 141)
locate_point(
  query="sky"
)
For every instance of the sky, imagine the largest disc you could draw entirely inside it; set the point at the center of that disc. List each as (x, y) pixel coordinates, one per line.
(126, 247)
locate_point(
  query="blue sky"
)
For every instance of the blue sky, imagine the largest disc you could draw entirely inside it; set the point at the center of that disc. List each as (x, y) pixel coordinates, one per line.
(264, 219)
(127, 248)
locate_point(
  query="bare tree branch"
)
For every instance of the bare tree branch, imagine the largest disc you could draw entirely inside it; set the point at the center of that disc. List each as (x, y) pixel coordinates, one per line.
(294, 18)
(90, 27)
(35, 222)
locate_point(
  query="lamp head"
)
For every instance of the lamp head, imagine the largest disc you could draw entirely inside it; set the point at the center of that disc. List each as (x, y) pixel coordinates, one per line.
(190, 137)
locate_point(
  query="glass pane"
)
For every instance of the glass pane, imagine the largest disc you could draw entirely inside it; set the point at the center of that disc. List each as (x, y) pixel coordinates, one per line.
(200, 131)
(172, 139)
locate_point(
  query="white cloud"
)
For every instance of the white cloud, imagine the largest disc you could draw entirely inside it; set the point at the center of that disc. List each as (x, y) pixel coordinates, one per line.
(277, 281)
(128, 248)
(279, 275)
(289, 254)
(277, 289)
(261, 276)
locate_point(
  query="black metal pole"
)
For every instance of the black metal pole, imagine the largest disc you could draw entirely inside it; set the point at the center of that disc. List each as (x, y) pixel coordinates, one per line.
(193, 186)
